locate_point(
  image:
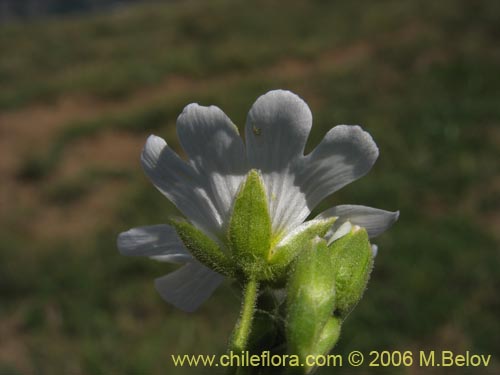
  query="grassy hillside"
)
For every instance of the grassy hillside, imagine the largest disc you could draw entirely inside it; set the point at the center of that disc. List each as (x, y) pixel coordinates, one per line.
(79, 95)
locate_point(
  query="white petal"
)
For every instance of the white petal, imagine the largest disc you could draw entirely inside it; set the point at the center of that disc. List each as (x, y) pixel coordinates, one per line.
(216, 151)
(374, 220)
(180, 183)
(158, 241)
(374, 250)
(189, 286)
(287, 202)
(277, 128)
(291, 236)
(344, 155)
(344, 229)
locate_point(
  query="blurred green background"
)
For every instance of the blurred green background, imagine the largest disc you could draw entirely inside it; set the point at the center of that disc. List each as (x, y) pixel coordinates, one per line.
(80, 93)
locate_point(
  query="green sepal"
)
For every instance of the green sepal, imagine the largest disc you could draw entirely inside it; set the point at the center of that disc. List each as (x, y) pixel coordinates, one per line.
(249, 232)
(310, 302)
(203, 248)
(289, 247)
(353, 264)
(328, 336)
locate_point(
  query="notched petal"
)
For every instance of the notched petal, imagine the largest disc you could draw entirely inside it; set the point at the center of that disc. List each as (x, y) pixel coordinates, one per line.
(277, 128)
(180, 183)
(344, 155)
(208, 132)
(215, 150)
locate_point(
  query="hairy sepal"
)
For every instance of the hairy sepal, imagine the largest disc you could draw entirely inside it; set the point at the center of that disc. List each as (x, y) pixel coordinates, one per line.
(203, 248)
(249, 232)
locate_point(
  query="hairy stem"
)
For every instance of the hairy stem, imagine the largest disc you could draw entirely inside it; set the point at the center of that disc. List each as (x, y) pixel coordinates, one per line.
(241, 332)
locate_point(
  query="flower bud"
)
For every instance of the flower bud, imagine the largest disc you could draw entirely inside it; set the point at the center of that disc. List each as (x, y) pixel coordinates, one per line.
(353, 259)
(310, 327)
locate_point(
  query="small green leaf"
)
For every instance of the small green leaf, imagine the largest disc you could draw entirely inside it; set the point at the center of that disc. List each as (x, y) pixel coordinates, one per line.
(353, 264)
(249, 230)
(203, 248)
(310, 302)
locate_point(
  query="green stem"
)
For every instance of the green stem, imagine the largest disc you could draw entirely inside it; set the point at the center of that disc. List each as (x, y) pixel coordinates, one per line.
(243, 327)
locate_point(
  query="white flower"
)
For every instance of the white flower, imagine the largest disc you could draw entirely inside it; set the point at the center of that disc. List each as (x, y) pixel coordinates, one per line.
(204, 187)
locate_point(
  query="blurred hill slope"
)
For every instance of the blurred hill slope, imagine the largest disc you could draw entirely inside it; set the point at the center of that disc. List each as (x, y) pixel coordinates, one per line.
(29, 9)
